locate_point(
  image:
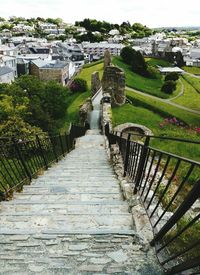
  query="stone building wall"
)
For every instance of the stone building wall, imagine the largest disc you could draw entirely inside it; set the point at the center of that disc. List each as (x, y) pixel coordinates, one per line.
(46, 74)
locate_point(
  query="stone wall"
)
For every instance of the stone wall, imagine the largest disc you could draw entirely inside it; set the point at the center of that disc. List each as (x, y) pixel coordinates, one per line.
(84, 111)
(106, 114)
(113, 82)
(129, 126)
(107, 59)
(95, 83)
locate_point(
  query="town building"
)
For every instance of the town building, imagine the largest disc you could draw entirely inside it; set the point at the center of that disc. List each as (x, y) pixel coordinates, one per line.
(7, 75)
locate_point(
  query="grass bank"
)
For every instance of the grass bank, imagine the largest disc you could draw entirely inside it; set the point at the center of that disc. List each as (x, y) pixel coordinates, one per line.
(152, 114)
(144, 84)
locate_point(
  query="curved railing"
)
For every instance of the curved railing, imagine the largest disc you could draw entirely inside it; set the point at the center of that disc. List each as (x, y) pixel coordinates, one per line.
(169, 188)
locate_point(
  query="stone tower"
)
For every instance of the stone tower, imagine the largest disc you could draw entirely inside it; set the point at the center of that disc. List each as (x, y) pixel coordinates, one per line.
(113, 82)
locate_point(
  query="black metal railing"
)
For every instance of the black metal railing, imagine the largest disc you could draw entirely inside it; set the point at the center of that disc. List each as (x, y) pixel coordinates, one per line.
(169, 188)
(22, 159)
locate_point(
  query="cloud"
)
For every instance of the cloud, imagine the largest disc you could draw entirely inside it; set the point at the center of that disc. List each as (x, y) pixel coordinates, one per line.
(152, 13)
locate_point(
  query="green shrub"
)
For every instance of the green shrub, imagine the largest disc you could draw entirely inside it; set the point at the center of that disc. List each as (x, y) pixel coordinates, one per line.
(172, 76)
(78, 85)
(168, 87)
(153, 72)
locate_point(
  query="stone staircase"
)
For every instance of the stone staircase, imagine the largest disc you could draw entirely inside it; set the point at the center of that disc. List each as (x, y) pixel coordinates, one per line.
(73, 220)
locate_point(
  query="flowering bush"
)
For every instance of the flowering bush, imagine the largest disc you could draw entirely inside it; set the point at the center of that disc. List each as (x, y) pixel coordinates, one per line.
(78, 85)
(175, 122)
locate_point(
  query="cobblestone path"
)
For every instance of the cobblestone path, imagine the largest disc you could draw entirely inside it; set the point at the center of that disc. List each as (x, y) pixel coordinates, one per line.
(73, 220)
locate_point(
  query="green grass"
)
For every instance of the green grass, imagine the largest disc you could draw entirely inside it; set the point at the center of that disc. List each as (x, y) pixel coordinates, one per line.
(93, 63)
(151, 113)
(138, 82)
(190, 98)
(192, 70)
(157, 62)
(193, 81)
(87, 72)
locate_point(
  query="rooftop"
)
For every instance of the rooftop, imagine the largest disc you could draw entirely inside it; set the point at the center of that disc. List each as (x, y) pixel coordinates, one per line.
(170, 70)
(5, 70)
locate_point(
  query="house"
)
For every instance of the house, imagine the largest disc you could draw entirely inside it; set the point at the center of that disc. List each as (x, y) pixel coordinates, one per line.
(50, 70)
(9, 61)
(98, 49)
(166, 70)
(7, 75)
(6, 50)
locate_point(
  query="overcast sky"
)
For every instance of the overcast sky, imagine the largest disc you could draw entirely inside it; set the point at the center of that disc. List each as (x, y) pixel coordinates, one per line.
(153, 13)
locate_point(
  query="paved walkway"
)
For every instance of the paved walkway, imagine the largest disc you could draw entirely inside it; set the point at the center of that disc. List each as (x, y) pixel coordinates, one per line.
(73, 220)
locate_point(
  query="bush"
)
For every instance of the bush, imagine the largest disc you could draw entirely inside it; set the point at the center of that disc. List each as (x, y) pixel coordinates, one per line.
(172, 76)
(168, 87)
(153, 72)
(78, 85)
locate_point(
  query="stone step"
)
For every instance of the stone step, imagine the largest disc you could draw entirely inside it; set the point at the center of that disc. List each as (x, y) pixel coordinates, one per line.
(102, 202)
(67, 222)
(70, 185)
(49, 233)
(51, 197)
(7, 209)
(71, 190)
(75, 182)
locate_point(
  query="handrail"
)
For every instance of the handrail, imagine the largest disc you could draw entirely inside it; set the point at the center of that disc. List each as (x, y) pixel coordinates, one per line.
(21, 160)
(166, 137)
(168, 186)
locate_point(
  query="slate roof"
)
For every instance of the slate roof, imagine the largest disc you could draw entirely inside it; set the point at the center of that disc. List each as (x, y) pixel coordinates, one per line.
(5, 70)
(42, 64)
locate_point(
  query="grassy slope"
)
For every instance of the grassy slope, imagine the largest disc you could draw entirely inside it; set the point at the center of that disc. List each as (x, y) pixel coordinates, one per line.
(192, 70)
(147, 85)
(151, 113)
(157, 62)
(77, 99)
(86, 72)
(193, 81)
(190, 98)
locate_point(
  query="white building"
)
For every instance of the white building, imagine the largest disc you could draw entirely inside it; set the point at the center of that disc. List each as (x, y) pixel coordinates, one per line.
(10, 62)
(98, 49)
(6, 75)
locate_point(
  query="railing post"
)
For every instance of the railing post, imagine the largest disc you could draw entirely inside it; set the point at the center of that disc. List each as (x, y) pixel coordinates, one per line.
(142, 160)
(183, 208)
(22, 159)
(67, 142)
(107, 130)
(41, 152)
(128, 142)
(54, 149)
(61, 144)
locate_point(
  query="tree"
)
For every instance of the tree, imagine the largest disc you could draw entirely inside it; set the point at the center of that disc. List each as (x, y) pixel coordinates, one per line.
(127, 54)
(135, 59)
(168, 87)
(172, 76)
(78, 85)
(56, 97)
(139, 65)
(47, 101)
(179, 59)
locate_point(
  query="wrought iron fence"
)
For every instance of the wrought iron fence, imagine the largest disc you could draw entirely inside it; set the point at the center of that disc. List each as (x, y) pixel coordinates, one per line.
(21, 160)
(169, 188)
